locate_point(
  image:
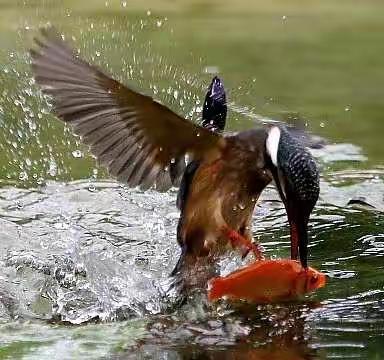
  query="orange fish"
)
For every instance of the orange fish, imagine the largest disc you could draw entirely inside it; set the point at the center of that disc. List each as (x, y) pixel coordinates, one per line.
(267, 281)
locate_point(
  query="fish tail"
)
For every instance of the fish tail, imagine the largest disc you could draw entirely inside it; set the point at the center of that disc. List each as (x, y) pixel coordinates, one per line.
(216, 288)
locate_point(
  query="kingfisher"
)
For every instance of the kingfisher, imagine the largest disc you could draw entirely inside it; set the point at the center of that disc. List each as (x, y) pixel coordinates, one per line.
(141, 142)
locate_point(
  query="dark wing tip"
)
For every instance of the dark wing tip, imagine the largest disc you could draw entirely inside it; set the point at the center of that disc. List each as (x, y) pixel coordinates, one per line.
(51, 33)
(216, 90)
(47, 34)
(215, 106)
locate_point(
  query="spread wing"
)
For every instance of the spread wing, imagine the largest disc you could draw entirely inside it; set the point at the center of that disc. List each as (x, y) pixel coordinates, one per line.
(136, 138)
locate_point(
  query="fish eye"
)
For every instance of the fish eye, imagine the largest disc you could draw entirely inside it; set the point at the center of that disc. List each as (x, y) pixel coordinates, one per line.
(314, 279)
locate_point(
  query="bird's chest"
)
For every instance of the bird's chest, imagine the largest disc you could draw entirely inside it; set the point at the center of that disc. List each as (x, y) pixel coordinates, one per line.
(221, 195)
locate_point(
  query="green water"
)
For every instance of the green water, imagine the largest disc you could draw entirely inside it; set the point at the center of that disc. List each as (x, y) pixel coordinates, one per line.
(84, 260)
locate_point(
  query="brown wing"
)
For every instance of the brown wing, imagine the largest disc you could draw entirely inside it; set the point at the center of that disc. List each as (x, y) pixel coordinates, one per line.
(135, 137)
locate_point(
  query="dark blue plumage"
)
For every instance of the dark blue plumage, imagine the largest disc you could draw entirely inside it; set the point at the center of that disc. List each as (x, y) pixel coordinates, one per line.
(298, 168)
(215, 106)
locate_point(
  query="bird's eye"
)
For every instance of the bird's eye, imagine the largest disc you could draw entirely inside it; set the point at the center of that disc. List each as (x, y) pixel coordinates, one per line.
(314, 279)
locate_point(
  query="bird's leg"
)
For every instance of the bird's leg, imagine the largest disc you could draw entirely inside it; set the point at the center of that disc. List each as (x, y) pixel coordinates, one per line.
(246, 233)
(244, 244)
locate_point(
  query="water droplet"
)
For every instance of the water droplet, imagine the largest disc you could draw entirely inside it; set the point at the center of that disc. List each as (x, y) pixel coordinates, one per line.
(77, 154)
(159, 23)
(23, 176)
(124, 4)
(175, 94)
(91, 187)
(149, 13)
(52, 167)
(241, 206)
(97, 53)
(61, 225)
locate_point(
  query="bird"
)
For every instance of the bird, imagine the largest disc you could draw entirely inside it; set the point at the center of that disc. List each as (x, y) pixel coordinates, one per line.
(141, 142)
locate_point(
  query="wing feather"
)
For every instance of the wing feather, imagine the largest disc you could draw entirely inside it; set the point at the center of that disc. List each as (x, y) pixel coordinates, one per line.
(135, 137)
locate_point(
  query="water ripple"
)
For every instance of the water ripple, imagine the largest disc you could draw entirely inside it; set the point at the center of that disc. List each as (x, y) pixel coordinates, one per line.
(105, 255)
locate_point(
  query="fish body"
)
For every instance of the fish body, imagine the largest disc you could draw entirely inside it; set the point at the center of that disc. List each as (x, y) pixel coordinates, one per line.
(267, 281)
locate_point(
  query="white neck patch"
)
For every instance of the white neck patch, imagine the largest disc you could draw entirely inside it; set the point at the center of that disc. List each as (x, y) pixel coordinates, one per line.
(272, 143)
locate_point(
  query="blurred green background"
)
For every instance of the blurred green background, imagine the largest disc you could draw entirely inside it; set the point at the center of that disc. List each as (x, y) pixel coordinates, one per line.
(320, 60)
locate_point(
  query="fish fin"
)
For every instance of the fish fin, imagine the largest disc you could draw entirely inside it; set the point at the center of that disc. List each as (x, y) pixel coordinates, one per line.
(216, 288)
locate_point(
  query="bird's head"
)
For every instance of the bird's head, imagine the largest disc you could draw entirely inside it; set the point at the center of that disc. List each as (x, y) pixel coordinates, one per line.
(297, 180)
